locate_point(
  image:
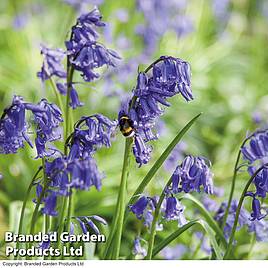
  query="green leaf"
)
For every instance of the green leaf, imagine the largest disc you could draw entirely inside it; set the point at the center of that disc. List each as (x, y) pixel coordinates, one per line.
(212, 238)
(173, 236)
(212, 223)
(161, 160)
(210, 232)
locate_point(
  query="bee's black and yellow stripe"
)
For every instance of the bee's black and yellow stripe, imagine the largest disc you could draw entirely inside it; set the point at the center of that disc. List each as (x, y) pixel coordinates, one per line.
(126, 126)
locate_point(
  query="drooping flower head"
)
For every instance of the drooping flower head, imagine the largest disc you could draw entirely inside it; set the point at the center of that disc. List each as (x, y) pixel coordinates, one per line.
(256, 148)
(173, 210)
(143, 209)
(47, 119)
(165, 78)
(78, 169)
(13, 125)
(193, 173)
(84, 52)
(52, 63)
(91, 133)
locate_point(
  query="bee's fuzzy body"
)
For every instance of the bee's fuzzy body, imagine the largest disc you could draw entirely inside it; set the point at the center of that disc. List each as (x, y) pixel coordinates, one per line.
(126, 126)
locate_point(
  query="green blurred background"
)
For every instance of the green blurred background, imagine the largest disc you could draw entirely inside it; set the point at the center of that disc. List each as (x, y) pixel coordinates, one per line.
(229, 60)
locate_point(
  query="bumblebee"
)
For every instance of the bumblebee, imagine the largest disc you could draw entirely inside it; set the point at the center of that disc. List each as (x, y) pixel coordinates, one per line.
(126, 126)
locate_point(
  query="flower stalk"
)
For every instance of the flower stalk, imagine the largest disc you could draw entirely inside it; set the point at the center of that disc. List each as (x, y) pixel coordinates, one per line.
(121, 200)
(24, 205)
(241, 200)
(156, 215)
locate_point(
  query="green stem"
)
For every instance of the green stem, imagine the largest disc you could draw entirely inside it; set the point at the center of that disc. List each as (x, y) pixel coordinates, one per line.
(67, 106)
(69, 212)
(24, 205)
(232, 190)
(61, 220)
(252, 243)
(47, 217)
(242, 197)
(156, 215)
(57, 94)
(111, 235)
(122, 199)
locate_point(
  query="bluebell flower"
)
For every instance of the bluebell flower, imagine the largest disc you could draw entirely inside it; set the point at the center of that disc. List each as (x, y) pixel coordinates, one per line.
(1, 176)
(191, 175)
(173, 210)
(141, 150)
(74, 99)
(84, 52)
(85, 173)
(91, 133)
(256, 207)
(13, 126)
(52, 64)
(47, 118)
(256, 148)
(87, 224)
(62, 88)
(139, 207)
(45, 244)
(50, 203)
(138, 250)
(255, 152)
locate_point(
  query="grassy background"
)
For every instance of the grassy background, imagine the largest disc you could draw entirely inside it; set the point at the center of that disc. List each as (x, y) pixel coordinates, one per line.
(229, 63)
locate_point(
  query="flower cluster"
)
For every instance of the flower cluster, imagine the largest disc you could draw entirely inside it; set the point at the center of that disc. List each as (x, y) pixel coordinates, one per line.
(84, 52)
(47, 126)
(52, 64)
(91, 133)
(13, 125)
(169, 76)
(191, 175)
(79, 169)
(171, 209)
(255, 152)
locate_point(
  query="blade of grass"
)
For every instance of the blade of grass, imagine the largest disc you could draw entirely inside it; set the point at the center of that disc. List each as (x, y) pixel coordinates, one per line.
(210, 232)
